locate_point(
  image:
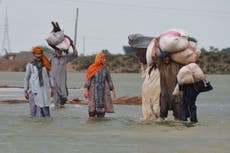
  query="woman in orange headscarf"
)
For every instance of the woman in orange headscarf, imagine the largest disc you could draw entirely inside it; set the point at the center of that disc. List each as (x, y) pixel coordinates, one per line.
(97, 88)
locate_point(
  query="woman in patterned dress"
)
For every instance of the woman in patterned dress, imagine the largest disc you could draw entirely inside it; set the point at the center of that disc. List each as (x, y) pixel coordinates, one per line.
(98, 86)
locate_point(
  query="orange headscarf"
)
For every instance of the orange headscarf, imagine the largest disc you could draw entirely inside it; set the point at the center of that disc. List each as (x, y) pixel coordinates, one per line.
(39, 50)
(96, 66)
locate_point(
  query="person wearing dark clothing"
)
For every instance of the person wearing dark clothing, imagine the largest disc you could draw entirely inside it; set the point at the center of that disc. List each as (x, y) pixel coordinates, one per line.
(190, 93)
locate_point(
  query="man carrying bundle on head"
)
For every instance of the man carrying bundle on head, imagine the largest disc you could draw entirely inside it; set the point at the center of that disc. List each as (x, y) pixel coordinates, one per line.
(59, 62)
(168, 71)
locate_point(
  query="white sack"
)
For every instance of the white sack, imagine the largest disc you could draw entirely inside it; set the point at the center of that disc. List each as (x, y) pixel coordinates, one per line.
(190, 73)
(151, 52)
(64, 45)
(173, 41)
(190, 55)
(55, 38)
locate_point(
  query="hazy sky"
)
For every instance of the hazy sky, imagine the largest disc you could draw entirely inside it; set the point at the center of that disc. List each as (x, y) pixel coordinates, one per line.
(106, 24)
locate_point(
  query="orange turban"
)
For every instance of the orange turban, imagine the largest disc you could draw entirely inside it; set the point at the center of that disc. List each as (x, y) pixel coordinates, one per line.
(96, 66)
(39, 50)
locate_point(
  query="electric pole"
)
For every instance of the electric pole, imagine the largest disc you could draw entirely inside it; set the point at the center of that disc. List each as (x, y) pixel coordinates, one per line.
(75, 33)
(6, 38)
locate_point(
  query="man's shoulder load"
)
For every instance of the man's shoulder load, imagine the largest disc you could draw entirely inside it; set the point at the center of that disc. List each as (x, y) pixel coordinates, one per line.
(173, 41)
(189, 55)
(182, 48)
(152, 51)
(190, 73)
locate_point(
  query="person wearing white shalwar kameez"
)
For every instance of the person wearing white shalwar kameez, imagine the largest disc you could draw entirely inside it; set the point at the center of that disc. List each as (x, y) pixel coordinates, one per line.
(150, 91)
(38, 85)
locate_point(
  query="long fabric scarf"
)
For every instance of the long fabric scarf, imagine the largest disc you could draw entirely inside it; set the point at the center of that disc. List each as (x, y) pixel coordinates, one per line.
(96, 66)
(39, 50)
(39, 67)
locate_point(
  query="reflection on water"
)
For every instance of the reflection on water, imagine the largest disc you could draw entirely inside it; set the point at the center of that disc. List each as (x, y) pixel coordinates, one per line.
(69, 130)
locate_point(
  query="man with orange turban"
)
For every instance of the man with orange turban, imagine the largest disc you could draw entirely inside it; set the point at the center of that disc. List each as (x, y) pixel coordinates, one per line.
(97, 88)
(38, 84)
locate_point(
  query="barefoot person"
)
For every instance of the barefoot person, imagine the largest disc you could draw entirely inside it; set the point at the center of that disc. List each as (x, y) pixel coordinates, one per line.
(98, 86)
(38, 84)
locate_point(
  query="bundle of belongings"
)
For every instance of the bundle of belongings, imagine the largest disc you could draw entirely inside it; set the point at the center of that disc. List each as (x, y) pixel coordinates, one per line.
(192, 73)
(181, 48)
(58, 40)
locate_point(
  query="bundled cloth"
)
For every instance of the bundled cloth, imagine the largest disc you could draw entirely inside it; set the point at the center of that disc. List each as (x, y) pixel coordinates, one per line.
(58, 40)
(174, 40)
(190, 73)
(190, 55)
(55, 38)
(152, 51)
(182, 48)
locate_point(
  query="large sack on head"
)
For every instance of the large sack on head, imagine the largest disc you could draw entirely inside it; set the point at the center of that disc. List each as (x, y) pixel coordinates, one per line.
(55, 38)
(190, 73)
(152, 51)
(173, 41)
(190, 55)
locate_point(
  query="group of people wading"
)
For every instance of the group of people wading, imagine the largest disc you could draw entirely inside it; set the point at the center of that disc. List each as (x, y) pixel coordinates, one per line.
(172, 79)
(46, 78)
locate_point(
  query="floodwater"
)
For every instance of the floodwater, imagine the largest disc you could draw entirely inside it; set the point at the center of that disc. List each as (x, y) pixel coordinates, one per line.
(70, 131)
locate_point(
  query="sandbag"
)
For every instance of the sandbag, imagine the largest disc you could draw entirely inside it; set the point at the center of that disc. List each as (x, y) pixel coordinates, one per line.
(190, 73)
(152, 51)
(173, 41)
(55, 38)
(190, 55)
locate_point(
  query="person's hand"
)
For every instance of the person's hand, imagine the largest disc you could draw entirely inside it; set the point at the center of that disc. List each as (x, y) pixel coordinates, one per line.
(114, 93)
(26, 95)
(86, 93)
(52, 92)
